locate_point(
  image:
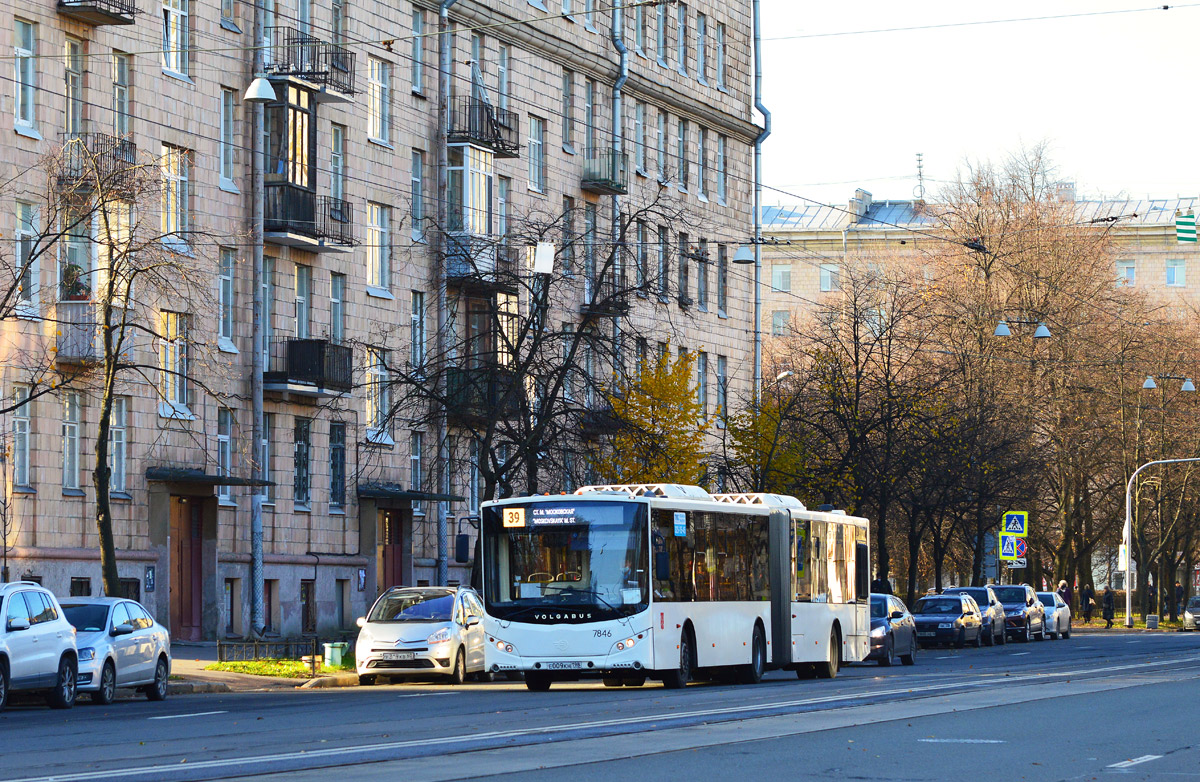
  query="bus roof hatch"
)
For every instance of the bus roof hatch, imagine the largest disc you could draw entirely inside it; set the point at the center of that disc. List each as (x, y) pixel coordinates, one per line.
(672, 490)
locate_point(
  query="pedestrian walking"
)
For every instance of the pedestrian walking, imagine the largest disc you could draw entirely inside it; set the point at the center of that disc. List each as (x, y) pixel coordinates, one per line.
(1110, 607)
(1087, 603)
(1066, 593)
(1178, 598)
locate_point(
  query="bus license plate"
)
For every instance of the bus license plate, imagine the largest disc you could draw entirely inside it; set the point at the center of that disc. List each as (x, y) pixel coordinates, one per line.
(398, 655)
(565, 665)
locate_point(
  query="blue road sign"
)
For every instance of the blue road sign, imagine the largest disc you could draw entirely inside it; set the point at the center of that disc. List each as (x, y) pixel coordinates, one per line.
(1016, 522)
(1008, 546)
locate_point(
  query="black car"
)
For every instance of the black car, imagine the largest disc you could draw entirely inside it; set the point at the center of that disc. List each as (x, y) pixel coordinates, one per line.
(990, 607)
(1024, 615)
(946, 619)
(893, 631)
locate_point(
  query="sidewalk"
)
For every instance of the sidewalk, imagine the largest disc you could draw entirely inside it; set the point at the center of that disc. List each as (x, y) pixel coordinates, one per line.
(188, 661)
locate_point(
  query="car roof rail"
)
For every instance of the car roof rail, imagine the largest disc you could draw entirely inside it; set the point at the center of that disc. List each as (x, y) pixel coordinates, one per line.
(22, 583)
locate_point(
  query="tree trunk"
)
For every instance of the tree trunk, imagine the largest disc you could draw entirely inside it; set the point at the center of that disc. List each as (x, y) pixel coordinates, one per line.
(102, 475)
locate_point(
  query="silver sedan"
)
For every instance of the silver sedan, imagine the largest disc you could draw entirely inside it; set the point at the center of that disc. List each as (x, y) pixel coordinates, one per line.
(120, 645)
(1058, 615)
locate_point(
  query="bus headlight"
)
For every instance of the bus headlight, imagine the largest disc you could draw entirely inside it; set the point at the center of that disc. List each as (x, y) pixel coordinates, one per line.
(503, 646)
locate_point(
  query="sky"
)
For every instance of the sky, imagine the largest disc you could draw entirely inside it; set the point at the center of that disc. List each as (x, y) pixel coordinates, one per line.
(1113, 96)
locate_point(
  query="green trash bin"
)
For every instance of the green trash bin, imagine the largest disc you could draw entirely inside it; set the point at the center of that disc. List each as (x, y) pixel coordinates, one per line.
(334, 653)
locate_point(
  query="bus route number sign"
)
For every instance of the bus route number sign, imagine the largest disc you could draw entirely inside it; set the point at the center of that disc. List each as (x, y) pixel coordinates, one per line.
(514, 517)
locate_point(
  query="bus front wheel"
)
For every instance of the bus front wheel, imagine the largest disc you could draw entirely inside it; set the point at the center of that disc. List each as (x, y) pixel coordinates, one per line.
(537, 681)
(829, 668)
(678, 678)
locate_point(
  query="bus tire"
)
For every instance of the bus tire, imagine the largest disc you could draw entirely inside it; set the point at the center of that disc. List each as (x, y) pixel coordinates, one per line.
(753, 672)
(678, 678)
(537, 681)
(805, 671)
(829, 668)
(612, 681)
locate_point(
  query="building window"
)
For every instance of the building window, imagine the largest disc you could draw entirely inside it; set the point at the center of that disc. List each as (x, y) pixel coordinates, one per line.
(224, 451)
(378, 394)
(1176, 272)
(173, 361)
(26, 73)
(22, 419)
(639, 137)
(81, 586)
(568, 110)
(471, 179)
(719, 60)
(781, 277)
(639, 28)
(702, 274)
(829, 277)
(27, 265)
(379, 100)
(120, 93)
(337, 464)
(502, 59)
(227, 101)
(643, 255)
(474, 476)
(568, 235)
(1126, 273)
(503, 189)
(702, 383)
(417, 188)
(70, 445)
(722, 279)
(664, 263)
(681, 153)
(337, 308)
(722, 168)
(301, 450)
(379, 246)
(418, 337)
(303, 300)
(702, 163)
(265, 448)
(225, 300)
(681, 39)
(337, 22)
(416, 446)
(722, 388)
(74, 86)
(337, 161)
(418, 51)
(268, 307)
(684, 270)
(660, 33)
(702, 48)
(117, 443)
(660, 139)
(477, 58)
(537, 154)
(176, 195)
(589, 118)
(175, 36)
(589, 14)
(75, 260)
(779, 323)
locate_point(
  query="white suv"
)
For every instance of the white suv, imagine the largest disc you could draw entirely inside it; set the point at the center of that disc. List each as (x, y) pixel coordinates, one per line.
(37, 645)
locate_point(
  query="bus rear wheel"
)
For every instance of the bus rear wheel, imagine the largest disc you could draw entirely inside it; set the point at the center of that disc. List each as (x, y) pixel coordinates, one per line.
(753, 673)
(829, 668)
(678, 678)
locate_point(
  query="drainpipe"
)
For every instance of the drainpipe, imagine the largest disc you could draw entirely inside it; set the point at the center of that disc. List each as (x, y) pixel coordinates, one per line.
(444, 65)
(618, 146)
(758, 142)
(257, 208)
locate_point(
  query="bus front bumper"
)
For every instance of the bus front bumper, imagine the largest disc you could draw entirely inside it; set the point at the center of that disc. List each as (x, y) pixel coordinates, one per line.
(503, 656)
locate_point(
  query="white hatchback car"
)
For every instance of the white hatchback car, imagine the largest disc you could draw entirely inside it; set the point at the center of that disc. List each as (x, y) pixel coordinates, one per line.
(417, 631)
(37, 645)
(120, 645)
(1058, 615)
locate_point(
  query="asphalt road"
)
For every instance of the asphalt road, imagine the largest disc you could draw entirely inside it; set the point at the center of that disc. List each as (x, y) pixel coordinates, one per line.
(1045, 710)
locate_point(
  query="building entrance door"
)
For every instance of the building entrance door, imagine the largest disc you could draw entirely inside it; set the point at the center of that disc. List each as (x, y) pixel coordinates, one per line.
(186, 571)
(391, 541)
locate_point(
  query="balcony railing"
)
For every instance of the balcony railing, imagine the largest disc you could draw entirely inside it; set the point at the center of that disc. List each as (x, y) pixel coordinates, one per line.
(290, 52)
(606, 173)
(294, 210)
(474, 393)
(475, 122)
(75, 332)
(97, 160)
(99, 11)
(313, 367)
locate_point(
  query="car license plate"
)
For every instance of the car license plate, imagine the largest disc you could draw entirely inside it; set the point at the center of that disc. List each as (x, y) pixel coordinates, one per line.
(927, 634)
(398, 655)
(564, 665)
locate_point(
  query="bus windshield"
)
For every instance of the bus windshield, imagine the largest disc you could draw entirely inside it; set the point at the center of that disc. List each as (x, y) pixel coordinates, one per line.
(565, 561)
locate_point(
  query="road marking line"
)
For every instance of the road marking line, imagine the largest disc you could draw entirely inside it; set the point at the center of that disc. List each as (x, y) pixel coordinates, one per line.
(1018, 654)
(158, 771)
(1135, 761)
(180, 716)
(947, 657)
(426, 694)
(963, 741)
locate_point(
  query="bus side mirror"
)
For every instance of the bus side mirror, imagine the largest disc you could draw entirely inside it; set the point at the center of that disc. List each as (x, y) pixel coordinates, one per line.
(462, 548)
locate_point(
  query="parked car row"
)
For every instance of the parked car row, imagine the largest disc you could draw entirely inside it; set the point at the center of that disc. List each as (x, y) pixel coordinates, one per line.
(980, 616)
(93, 645)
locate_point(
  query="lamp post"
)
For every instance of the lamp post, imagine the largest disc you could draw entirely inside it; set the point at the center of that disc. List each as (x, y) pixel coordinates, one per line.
(1128, 532)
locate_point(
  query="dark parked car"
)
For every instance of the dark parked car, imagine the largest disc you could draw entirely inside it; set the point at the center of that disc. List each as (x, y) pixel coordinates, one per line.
(948, 619)
(1025, 617)
(990, 607)
(893, 631)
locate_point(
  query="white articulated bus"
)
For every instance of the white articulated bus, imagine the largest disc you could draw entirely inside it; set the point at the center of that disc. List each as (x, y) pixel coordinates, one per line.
(669, 582)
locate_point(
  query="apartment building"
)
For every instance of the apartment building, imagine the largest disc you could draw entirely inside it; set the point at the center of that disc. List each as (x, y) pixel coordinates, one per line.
(356, 216)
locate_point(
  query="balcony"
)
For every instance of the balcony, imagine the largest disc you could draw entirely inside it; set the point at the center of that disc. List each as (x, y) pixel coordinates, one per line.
(606, 173)
(93, 161)
(476, 393)
(97, 12)
(75, 332)
(300, 218)
(478, 263)
(474, 122)
(326, 67)
(603, 299)
(598, 421)
(309, 367)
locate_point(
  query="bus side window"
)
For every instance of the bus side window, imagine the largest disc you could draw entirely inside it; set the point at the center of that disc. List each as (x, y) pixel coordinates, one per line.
(802, 587)
(862, 571)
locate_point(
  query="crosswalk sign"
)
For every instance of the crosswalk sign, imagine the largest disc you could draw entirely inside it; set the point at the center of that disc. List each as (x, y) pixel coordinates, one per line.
(1016, 522)
(1008, 547)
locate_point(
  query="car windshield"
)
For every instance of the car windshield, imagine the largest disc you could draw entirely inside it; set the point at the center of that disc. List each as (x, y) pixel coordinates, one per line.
(878, 608)
(589, 556)
(1010, 595)
(939, 605)
(1047, 599)
(1194, 604)
(413, 606)
(87, 617)
(980, 595)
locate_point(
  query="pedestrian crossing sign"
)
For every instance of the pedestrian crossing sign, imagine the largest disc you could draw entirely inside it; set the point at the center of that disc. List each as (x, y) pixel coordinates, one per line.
(1016, 522)
(1008, 547)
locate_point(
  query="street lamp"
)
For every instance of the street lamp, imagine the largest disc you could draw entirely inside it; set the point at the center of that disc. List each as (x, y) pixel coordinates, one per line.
(1127, 534)
(1188, 385)
(1002, 329)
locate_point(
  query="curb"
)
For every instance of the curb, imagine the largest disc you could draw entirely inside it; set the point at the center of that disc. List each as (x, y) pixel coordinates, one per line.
(195, 688)
(337, 680)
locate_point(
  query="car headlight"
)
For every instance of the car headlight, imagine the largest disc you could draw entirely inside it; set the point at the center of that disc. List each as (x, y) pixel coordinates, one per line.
(439, 637)
(87, 653)
(879, 632)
